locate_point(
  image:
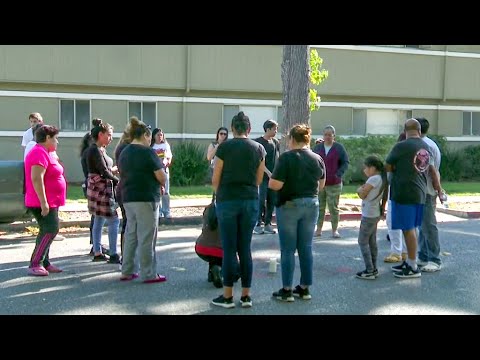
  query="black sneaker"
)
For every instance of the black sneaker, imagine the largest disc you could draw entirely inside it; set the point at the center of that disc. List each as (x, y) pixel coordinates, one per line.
(375, 272)
(97, 258)
(365, 275)
(114, 259)
(284, 295)
(408, 273)
(399, 268)
(226, 303)
(246, 301)
(216, 276)
(104, 251)
(302, 293)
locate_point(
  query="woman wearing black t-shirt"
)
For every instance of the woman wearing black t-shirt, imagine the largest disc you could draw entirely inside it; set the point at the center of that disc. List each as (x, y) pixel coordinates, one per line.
(237, 173)
(298, 176)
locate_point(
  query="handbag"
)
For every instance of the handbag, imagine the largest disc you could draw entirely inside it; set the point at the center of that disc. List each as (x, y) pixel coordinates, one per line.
(210, 215)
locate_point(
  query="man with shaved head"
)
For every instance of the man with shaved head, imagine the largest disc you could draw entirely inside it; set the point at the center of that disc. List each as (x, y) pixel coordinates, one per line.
(410, 162)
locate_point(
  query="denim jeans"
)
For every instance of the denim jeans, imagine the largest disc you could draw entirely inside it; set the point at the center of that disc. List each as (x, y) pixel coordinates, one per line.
(296, 221)
(428, 241)
(236, 220)
(265, 211)
(98, 223)
(367, 239)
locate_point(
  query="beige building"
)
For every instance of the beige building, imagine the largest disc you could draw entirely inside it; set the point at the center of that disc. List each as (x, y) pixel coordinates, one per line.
(191, 90)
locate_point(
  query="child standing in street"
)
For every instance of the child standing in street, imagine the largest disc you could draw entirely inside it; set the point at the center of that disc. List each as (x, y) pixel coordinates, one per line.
(373, 194)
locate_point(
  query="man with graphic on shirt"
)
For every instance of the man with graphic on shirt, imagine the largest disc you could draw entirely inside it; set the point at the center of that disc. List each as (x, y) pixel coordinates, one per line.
(410, 162)
(266, 196)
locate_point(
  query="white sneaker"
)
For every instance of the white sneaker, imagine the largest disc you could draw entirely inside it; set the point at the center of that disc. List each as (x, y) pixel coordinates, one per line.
(59, 238)
(258, 230)
(422, 263)
(268, 229)
(431, 267)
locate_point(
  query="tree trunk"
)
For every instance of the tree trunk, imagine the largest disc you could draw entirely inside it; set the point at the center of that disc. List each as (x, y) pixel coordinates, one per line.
(296, 85)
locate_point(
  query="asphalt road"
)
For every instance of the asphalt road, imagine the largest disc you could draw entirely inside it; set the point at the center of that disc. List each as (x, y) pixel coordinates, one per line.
(94, 288)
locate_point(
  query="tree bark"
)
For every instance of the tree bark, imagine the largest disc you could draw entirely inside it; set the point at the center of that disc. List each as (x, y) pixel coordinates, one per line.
(296, 85)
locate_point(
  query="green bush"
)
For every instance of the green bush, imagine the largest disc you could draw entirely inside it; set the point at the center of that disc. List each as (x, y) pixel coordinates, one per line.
(452, 165)
(361, 147)
(189, 165)
(456, 165)
(471, 163)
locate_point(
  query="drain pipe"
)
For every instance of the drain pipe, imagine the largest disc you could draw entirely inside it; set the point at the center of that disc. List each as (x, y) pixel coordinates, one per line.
(445, 63)
(187, 89)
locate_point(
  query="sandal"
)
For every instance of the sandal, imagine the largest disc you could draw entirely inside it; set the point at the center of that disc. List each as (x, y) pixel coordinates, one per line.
(159, 278)
(128, 277)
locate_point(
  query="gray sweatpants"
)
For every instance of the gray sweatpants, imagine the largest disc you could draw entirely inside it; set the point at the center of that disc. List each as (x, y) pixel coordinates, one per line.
(367, 239)
(142, 226)
(428, 241)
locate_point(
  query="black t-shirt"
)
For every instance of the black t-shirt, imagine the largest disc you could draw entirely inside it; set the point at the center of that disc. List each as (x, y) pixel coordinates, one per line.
(299, 170)
(272, 147)
(410, 160)
(136, 164)
(241, 158)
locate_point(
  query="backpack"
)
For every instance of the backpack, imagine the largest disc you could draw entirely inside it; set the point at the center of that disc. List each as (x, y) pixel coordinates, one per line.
(210, 215)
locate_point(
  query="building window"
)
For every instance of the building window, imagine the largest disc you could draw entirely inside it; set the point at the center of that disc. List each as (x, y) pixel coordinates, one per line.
(379, 121)
(75, 115)
(257, 115)
(145, 111)
(471, 123)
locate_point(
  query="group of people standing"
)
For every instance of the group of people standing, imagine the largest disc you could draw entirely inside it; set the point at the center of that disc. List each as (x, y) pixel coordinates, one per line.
(297, 184)
(135, 184)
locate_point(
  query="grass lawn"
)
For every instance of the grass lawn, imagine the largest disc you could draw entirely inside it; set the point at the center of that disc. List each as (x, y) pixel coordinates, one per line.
(75, 192)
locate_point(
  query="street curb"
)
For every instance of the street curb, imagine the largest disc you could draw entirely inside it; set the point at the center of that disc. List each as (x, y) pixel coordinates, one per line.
(461, 214)
(180, 221)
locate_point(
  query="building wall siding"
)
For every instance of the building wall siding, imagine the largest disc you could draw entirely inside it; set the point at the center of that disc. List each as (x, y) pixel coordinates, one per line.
(113, 112)
(15, 111)
(203, 118)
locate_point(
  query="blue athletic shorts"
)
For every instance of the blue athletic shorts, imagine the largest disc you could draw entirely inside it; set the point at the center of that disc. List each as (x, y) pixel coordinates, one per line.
(406, 217)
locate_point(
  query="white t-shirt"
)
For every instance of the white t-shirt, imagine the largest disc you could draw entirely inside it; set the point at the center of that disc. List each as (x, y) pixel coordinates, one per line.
(327, 148)
(164, 152)
(29, 147)
(27, 137)
(437, 158)
(371, 204)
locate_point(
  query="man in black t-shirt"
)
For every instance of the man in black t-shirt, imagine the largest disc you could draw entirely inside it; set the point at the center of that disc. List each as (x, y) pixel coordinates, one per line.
(410, 162)
(267, 196)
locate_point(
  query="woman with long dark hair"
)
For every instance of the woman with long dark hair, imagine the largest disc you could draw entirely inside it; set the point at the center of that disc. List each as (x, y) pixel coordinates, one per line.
(236, 186)
(162, 148)
(100, 192)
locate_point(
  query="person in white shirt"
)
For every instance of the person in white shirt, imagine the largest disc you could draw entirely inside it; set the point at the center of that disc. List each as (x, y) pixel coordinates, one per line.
(428, 239)
(32, 142)
(34, 118)
(162, 148)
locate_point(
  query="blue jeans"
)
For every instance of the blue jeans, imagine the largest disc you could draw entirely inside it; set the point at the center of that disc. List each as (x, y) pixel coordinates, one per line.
(236, 220)
(428, 242)
(296, 221)
(266, 201)
(98, 223)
